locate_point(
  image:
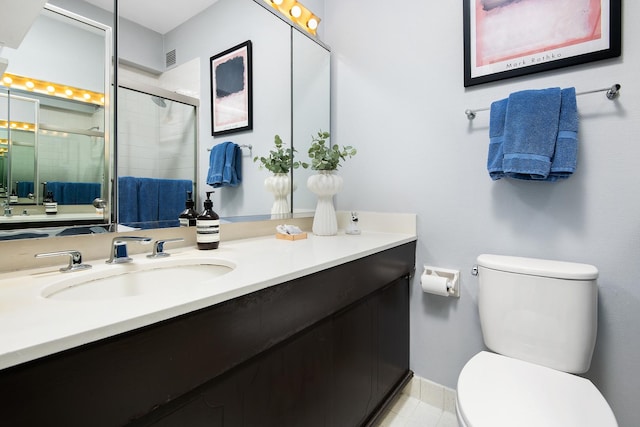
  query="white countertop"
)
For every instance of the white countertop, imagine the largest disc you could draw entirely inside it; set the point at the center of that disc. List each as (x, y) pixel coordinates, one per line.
(32, 326)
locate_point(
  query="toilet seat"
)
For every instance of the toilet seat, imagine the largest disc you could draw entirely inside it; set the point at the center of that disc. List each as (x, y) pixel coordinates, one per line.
(499, 391)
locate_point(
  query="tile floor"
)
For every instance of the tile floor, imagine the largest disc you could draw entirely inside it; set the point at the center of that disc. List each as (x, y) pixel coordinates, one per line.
(422, 403)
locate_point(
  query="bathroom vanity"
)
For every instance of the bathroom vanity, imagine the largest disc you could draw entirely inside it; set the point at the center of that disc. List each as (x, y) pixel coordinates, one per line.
(307, 333)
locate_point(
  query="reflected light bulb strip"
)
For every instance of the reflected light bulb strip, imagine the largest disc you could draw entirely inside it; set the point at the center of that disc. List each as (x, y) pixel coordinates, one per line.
(297, 13)
(18, 125)
(52, 89)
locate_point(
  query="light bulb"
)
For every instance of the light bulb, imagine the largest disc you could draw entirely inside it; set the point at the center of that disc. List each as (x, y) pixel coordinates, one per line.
(87, 96)
(69, 92)
(8, 80)
(29, 85)
(296, 11)
(51, 89)
(278, 2)
(312, 23)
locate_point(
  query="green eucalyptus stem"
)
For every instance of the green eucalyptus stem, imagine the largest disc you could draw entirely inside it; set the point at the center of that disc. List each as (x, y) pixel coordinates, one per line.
(280, 159)
(325, 157)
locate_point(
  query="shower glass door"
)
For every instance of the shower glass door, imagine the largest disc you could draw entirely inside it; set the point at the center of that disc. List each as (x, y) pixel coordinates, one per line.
(157, 144)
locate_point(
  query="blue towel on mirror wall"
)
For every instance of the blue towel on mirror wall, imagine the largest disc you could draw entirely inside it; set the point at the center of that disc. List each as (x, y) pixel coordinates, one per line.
(533, 135)
(232, 172)
(225, 165)
(216, 164)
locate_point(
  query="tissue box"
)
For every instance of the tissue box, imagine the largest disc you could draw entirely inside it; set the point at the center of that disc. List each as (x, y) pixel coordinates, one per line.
(291, 237)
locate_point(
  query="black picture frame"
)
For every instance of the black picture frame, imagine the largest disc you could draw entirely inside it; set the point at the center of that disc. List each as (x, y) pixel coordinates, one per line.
(232, 90)
(483, 63)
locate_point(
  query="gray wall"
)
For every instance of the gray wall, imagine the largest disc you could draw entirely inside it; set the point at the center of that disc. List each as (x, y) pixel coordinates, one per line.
(398, 96)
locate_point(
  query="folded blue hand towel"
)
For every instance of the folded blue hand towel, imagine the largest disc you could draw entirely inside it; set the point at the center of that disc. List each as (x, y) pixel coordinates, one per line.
(216, 164)
(531, 130)
(496, 139)
(231, 175)
(566, 151)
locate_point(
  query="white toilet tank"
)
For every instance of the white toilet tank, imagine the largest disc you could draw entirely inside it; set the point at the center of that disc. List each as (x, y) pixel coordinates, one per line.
(540, 311)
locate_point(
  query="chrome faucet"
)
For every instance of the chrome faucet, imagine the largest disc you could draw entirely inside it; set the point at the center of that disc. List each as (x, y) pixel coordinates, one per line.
(119, 248)
(7, 208)
(75, 260)
(158, 247)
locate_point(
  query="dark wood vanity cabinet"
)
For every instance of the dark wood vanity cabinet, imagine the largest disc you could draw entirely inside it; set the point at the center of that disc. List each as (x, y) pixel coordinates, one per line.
(328, 350)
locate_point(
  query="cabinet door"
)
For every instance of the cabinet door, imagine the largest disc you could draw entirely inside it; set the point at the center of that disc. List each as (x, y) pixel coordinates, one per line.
(393, 335)
(370, 353)
(285, 386)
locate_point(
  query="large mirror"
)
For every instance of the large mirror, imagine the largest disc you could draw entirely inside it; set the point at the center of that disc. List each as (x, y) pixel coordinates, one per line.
(169, 58)
(290, 87)
(54, 126)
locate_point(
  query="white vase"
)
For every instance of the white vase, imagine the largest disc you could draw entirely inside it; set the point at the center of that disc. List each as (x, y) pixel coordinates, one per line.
(325, 184)
(280, 185)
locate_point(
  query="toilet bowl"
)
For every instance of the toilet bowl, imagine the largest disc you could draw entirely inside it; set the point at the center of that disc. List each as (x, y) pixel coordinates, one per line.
(499, 391)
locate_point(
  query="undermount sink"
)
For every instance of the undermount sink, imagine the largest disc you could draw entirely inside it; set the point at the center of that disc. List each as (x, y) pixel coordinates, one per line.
(130, 280)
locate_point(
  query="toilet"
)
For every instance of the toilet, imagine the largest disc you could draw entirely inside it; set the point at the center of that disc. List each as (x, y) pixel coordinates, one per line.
(539, 321)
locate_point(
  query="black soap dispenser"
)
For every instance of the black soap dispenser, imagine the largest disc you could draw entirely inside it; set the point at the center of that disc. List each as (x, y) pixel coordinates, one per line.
(50, 205)
(13, 197)
(189, 216)
(208, 226)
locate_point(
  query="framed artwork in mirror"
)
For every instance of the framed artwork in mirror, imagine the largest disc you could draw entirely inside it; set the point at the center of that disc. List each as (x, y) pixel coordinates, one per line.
(231, 90)
(509, 38)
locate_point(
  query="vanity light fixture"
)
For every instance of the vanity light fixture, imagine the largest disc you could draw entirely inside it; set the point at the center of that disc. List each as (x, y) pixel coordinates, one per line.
(52, 89)
(297, 13)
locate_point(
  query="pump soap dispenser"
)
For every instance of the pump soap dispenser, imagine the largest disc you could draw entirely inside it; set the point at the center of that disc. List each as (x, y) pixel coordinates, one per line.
(208, 226)
(50, 205)
(189, 216)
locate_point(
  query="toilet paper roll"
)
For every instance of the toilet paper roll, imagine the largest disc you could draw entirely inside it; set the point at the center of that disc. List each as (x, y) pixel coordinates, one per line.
(433, 284)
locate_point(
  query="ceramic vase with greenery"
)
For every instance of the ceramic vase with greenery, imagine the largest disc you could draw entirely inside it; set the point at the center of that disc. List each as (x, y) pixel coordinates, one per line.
(279, 161)
(325, 159)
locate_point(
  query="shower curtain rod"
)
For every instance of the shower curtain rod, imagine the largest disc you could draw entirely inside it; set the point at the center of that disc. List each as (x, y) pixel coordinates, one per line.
(611, 93)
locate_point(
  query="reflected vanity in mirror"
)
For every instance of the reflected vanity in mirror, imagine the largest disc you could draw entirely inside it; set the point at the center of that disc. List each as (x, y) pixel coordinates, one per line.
(291, 99)
(54, 127)
(291, 95)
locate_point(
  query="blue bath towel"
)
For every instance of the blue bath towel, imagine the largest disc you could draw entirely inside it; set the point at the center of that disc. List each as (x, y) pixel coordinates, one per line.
(216, 164)
(496, 139)
(530, 132)
(24, 188)
(148, 200)
(232, 172)
(171, 199)
(81, 193)
(566, 151)
(127, 199)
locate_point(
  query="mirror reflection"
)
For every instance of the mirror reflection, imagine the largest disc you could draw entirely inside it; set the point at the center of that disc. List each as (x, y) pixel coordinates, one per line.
(156, 156)
(54, 124)
(174, 58)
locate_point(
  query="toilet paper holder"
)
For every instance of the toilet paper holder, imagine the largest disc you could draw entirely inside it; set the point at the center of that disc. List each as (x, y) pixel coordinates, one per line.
(452, 276)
